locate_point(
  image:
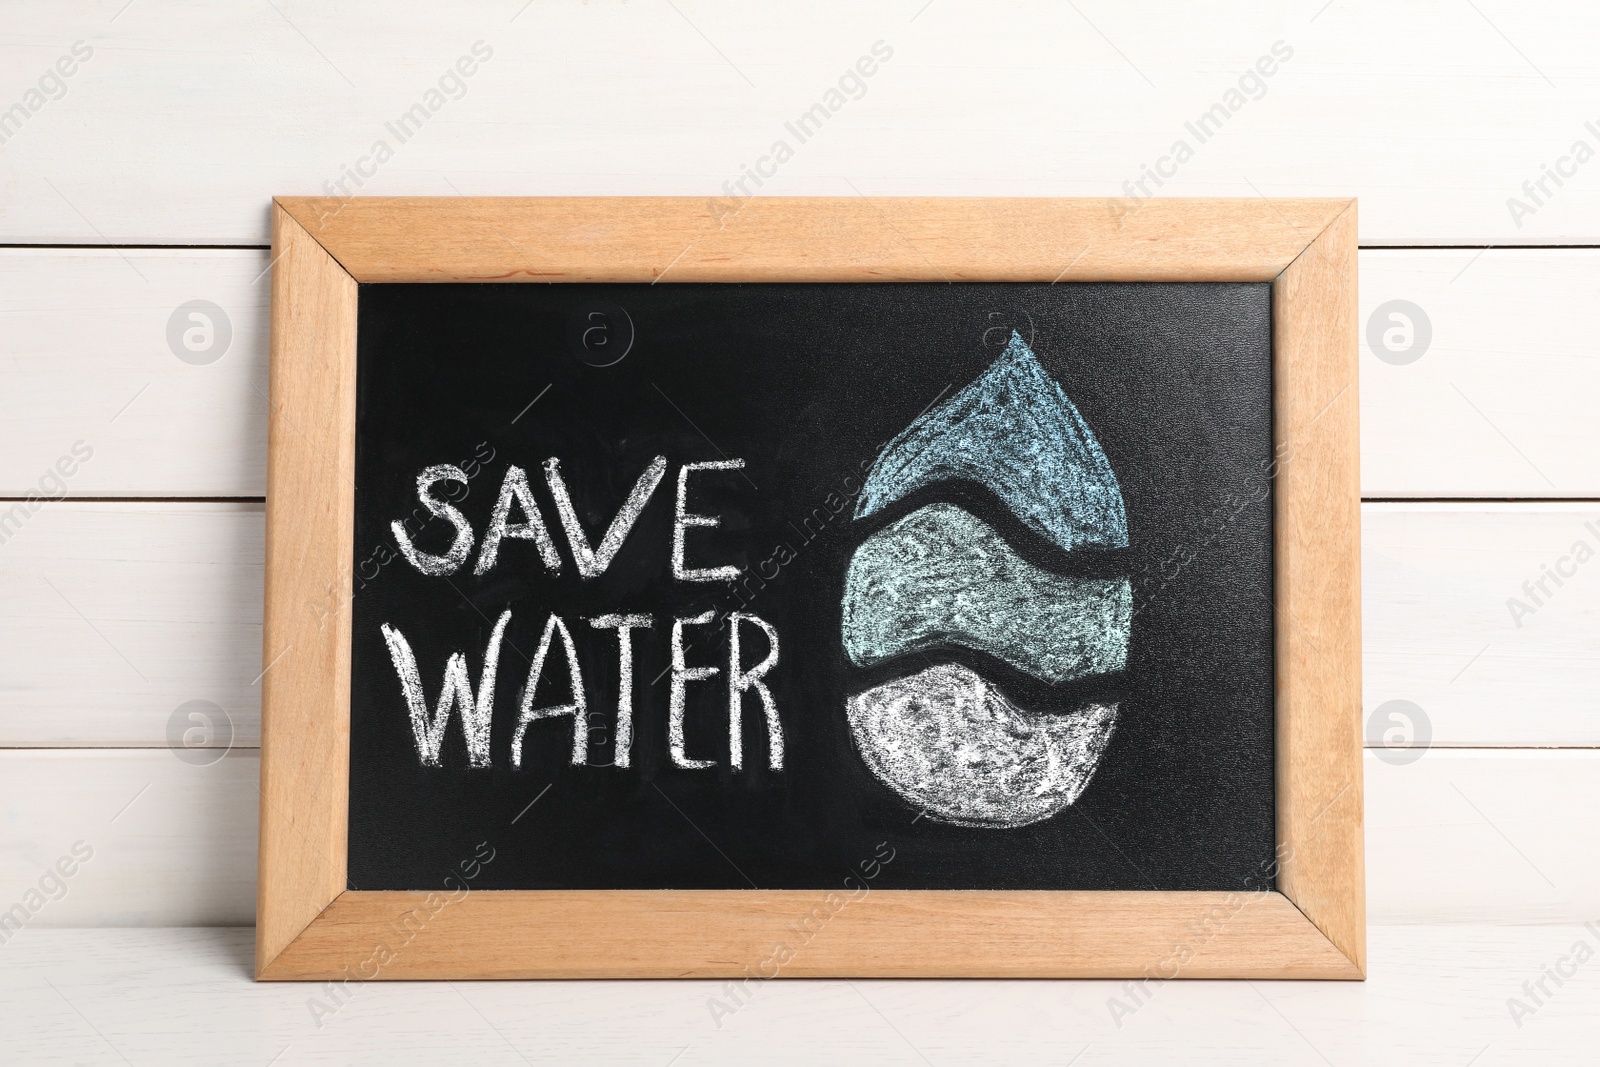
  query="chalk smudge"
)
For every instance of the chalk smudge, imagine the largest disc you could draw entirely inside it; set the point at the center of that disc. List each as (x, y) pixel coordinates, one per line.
(954, 747)
(943, 576)
(1014, 431)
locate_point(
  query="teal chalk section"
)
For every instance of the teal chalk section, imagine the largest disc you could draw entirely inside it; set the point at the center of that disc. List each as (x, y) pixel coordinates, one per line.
(943, 576)
(1014, 431)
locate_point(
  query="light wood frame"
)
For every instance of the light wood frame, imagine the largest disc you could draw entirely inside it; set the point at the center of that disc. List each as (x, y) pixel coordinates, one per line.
(309, 926)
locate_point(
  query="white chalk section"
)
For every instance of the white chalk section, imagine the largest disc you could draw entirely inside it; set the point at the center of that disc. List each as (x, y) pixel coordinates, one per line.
(952, 745)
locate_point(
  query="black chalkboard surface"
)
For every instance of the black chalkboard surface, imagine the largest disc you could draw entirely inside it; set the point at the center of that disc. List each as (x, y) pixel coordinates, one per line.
(1012, 543)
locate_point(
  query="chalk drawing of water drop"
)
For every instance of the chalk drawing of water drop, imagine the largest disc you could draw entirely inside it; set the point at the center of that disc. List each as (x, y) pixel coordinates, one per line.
(943, 737)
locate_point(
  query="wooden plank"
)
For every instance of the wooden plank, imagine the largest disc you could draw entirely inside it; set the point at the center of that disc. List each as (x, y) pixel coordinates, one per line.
(305, 722)
(1473, 835)
(168, 842)
(815, 239)
(1437, 995)
(87, 358)
(1510, 328)
(1445, 627)
(682, 102)
(1500, 401)
(906, 934)
(176, 589)
(1317, 587)
(1479, 836)
(114, 617)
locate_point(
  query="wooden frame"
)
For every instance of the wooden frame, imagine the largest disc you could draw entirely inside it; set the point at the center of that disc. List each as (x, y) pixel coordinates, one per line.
(309, 926)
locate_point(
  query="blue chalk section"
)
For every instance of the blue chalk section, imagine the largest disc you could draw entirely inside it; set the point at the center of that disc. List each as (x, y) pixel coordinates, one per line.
(942, 576)
(1014, 431)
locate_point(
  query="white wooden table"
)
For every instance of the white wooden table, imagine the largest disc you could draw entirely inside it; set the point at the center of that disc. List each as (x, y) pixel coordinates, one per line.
(1437, 995)
(140, 182)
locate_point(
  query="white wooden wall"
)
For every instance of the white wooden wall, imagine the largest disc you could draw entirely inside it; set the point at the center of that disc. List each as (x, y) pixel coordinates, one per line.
(146, 185)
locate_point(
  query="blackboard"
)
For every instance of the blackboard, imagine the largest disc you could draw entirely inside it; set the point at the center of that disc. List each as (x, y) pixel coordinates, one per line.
(812, 386)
